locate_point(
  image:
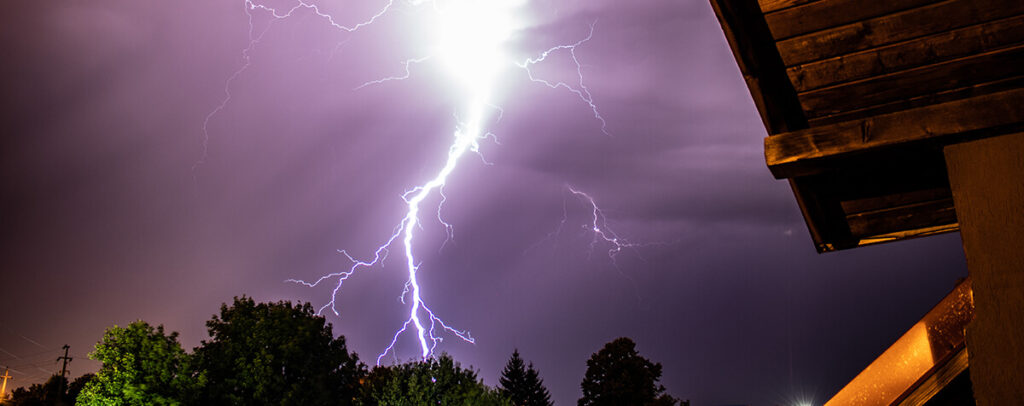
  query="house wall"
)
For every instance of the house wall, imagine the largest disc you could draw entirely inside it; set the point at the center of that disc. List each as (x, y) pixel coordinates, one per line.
(987, 180)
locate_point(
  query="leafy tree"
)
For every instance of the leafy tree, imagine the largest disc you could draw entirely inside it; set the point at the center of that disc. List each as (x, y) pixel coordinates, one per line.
(141, 366)
(522, 385)
(77, 385)
(618, 375)
(274, 354)
(437, 381)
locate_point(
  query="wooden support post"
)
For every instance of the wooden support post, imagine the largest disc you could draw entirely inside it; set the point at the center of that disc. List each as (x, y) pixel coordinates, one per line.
(987, 180)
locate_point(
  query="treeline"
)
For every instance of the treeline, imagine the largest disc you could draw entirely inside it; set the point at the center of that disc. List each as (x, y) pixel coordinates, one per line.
(280, 354)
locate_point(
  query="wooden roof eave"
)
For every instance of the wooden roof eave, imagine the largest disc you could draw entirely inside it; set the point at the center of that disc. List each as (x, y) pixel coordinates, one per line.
(758, 58)
(808, 151)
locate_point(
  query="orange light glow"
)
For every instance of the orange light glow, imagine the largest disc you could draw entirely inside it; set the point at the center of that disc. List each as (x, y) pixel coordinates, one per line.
(893, 372)
(902, 366)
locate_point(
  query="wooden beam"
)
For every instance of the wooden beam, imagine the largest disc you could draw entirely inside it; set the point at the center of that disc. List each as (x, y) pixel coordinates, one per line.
(775, 5)
(892, 196)
(908, 24)
(813, 214)
(823, 213)
(936, 380)
(944, 96)
(908, 54)
(908, 234)
(902, 218)
(888, 200)
(952, 74)
(820, 15)
(806, 151)
(759, 61)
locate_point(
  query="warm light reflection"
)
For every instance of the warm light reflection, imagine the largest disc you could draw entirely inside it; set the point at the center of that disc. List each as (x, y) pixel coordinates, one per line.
(894, 371)
(929, 343)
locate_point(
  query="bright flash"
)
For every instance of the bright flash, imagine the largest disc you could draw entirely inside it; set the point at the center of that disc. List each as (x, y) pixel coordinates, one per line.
(471, 35)
(468, 38)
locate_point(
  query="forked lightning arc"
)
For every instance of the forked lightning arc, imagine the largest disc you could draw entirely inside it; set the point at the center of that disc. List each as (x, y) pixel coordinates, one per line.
(471, 36)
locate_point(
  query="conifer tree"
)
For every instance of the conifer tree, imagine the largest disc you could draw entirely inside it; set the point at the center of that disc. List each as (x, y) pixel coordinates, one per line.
(522, 384)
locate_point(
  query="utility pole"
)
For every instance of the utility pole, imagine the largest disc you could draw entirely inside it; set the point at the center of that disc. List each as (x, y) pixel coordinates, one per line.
(63, 368)
(3, 391)
(66, 358)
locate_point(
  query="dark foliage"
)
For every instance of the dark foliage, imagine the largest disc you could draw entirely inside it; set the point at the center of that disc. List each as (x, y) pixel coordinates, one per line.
(617, 375)
(50, 393)
(437, 381)
(56, 391)
(76, 386)
(274, 354)
(522, 385)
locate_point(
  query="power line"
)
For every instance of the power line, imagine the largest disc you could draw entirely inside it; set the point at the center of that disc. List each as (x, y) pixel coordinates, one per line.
(32, 341)
(23, 358)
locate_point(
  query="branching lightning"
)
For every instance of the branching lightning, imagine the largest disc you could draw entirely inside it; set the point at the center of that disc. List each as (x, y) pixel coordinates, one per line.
(470, 39)
(598, 225)
(390, 78)
(580, 89)
(254, 40)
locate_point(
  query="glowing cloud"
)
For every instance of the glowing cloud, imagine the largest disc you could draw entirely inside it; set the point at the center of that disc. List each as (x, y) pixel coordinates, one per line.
(468, 38)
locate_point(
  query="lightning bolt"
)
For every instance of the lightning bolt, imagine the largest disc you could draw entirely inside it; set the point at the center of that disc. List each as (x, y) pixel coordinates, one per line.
(598, 226)
(579, 89)
(390, 78)
(254, 40)
(471, 35)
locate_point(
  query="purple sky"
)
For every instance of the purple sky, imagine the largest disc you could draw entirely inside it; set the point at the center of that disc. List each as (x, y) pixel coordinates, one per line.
(105, 220)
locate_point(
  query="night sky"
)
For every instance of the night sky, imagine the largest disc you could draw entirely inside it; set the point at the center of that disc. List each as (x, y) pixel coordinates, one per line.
(110, 212)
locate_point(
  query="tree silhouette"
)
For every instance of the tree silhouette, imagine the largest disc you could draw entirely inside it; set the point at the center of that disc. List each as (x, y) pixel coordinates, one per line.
(274, 354)
(41, 394)
(618, 375)
(436, 381)
(76, 386)
(522, 385)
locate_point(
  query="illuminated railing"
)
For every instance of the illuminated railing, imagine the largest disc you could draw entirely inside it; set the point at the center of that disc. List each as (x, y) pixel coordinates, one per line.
(922, 362)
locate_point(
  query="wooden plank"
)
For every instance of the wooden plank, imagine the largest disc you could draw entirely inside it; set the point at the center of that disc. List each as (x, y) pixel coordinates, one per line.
(759, 61)
(908, 54)
(902, 218)
(891, 178)
(820, 15)
(769, 6)
(952, 74)
(813, 213)
(822, 213)
(923, 100)
(906, 235)
(913, 23)
(800, 152)
(875, 203)
(937, 379)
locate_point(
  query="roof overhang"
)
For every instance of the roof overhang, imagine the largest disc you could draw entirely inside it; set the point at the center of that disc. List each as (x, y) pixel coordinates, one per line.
(859, 99)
